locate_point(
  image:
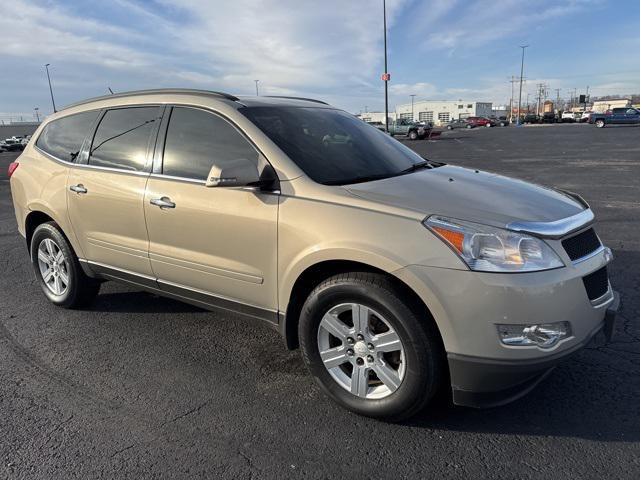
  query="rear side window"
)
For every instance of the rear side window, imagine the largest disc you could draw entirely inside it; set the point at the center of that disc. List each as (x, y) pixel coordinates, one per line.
(63, 138)
(122, 138)
(197, 139)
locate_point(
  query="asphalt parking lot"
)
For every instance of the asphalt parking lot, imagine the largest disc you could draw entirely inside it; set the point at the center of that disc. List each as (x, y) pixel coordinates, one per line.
(139, 386)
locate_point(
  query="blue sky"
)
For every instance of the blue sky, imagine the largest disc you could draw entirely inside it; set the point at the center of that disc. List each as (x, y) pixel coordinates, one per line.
(329, 49)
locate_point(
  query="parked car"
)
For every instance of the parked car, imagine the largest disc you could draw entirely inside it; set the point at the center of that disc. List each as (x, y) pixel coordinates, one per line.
(478, 122)
(584, 117)
(11, 145)
(458, 123)
(394, 274)
(567, 117)
(531, 118)
(617, 116)
(501, 121)
(548, 117)
(412, 130)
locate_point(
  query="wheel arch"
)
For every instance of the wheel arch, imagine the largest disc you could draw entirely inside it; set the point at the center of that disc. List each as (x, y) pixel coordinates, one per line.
(314, 274)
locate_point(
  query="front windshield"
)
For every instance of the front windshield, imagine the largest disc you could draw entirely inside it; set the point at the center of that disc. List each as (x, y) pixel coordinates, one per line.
(331, 146)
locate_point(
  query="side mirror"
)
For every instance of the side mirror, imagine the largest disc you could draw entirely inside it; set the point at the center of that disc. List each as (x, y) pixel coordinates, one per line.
(239, 173)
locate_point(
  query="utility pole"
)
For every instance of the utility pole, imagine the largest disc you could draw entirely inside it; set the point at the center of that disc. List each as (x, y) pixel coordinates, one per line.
(412, 115)
(257, 94)
(521, 76)
(586, 99)
(50, 89)
(558, 99)
(37, 114)
(513, 80)
(386, 77)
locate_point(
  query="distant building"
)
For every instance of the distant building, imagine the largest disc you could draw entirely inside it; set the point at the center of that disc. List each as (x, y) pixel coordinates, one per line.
(10, 129)
(440, 112)
(602, 106)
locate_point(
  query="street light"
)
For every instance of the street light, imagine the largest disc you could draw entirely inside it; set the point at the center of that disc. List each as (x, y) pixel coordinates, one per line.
(521, 74)
(386, 77)
(257, 94)
(412, 97)
(50, 89)
(37, 114)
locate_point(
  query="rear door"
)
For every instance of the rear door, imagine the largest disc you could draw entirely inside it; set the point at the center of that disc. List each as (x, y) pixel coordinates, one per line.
(218, 244)
(105, 190)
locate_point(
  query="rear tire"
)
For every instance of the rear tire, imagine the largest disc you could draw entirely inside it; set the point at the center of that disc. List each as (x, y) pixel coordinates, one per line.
(58, 270)
(599, 123)
(413, 135)
(396, 384)
(469, 126)
(449, 127)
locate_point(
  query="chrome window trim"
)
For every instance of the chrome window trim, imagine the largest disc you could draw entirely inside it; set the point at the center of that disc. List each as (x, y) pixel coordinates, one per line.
(555, 229)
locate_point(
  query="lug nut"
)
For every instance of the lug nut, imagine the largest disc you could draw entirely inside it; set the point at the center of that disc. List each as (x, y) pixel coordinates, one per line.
(360, 337)
(359, 361)
(350, 341)
(370, 346)
(370, 358)
(350, 353)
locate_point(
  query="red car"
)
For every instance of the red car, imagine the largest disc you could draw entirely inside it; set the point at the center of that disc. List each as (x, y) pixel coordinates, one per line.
(479, 122)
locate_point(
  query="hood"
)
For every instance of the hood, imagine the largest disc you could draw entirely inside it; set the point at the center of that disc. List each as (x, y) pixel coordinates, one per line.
(472, 195)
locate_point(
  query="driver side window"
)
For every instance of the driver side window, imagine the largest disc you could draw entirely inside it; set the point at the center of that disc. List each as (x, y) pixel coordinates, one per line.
(197, 139)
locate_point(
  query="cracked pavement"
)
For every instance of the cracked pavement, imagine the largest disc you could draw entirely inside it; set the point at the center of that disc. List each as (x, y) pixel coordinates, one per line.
(139, 386)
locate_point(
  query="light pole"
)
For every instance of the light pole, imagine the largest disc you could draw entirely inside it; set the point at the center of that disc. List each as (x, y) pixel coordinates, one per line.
(386, 77)
(37, 114)
(50, 89)
(412, 115)
(257, 94)
(521, 74)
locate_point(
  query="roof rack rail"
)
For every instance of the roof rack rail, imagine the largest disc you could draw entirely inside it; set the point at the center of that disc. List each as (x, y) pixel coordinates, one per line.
(226, 96)
(297, 98)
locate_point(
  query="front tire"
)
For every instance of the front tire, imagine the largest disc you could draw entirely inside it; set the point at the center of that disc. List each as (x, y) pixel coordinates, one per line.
(469, 127)
(58, 270)
(413, 135)
(369, 347)
(599, 123)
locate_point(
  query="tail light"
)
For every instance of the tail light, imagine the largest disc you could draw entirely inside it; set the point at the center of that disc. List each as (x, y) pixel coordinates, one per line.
(12, 168)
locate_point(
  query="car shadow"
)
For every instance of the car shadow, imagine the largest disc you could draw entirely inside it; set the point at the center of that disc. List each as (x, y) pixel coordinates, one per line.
(139, 302)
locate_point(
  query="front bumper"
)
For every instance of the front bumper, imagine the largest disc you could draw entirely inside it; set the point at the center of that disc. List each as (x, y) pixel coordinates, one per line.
(482, 383)
(467, 306)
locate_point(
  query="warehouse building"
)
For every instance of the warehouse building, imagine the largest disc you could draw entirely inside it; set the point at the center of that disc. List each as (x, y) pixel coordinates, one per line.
(436, 112)
(441, 112)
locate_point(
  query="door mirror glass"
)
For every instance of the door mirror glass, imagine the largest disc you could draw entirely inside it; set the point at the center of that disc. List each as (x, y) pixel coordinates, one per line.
(240, 172)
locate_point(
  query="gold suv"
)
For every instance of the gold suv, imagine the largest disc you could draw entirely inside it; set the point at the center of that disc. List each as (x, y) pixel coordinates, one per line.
(395, 275)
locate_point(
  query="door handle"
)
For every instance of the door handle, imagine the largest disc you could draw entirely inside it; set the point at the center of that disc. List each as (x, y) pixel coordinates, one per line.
(163, 202)
(78, 188)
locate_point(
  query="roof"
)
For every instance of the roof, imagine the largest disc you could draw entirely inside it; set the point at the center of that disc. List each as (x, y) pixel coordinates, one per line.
(244, 100)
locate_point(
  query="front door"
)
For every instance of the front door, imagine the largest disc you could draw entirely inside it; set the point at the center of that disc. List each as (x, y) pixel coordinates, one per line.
(106, 191)
(216, 244)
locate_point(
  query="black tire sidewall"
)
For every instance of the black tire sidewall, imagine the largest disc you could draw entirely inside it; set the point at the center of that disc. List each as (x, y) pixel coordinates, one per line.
(50, 230)
(420, 380)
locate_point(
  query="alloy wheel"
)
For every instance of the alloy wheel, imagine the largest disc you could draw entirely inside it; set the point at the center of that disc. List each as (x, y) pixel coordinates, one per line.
(53, 266)
(361, 351)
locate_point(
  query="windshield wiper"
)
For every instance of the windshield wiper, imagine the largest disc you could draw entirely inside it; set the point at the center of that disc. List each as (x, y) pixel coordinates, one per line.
(364, 178)
(418, 166)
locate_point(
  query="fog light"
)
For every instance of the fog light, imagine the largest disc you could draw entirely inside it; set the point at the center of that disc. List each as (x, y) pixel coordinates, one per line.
(544, 335)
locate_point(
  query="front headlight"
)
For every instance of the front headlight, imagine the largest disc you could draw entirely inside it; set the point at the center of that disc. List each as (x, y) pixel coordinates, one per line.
(490, 249)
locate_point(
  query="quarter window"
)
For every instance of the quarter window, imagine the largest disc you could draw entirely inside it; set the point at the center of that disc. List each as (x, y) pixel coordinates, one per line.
(196, 140)
(122, 138)
(63, 138)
